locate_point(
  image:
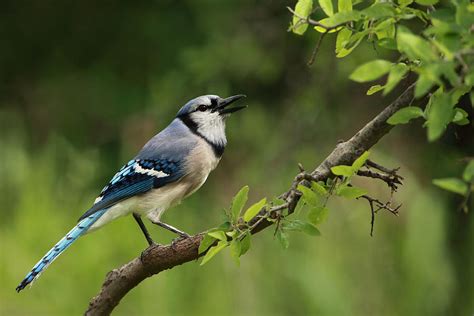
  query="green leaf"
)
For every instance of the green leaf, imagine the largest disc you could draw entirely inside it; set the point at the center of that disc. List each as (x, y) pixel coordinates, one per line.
(468, 174)
(465, 14)
(350, 192)
(469, 79)
(458, 92)
(300, 226)
(452, 184)
(375, 89)
(236, 250)
(325, 23)
(232, 234)
(224, 226)
(344, 5)
(439, 115)
(371, 70)
(429, 75)
(311, 230)
(318, 215)
(214, 251)
(342, 170)
(408, 13)
(254, 209)
(404, 115)
(414, 46)
(342, 39)
(444, 15)
(426, 2)
(245, 244)
(448, 70)
(464, 121)
(354, 41)
(359, 162)
(220, 235)
(445, 36)
(388, 43)
(206, 242)
(238, 202)
(338, 19)
(423, 85)
(404, 3)
(300, 206)
(346, 51)
(309, 196)
(379, 10)
(303, 9)
(277, 201)
(282, 238)
(318, 188)
(397, 72)
(385, 29)
(326, 5)
(460, 117)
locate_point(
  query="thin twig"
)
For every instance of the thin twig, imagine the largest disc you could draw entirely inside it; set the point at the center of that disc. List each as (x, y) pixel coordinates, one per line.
(316, 49)
(375, 165)
(307, 19)
(313, 22)
(380, 206)
(392, 180)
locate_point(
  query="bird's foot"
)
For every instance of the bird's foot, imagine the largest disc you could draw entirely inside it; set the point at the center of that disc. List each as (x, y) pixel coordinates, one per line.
(178, 239)
(183, 235)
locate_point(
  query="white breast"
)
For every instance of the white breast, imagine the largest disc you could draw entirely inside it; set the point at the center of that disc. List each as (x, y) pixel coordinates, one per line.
(201, 160)
(198, 165)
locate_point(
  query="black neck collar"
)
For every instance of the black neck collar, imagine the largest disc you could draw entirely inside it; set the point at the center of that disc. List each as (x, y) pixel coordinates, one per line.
(218, 149)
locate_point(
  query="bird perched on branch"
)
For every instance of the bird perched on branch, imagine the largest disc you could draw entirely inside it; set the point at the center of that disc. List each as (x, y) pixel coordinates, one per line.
(171, 166)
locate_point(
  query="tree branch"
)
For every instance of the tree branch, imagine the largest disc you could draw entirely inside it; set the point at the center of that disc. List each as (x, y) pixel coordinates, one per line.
(156, 258)
(391, 179)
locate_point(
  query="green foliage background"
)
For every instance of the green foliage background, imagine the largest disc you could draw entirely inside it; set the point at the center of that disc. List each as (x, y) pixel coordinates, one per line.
(84, 85)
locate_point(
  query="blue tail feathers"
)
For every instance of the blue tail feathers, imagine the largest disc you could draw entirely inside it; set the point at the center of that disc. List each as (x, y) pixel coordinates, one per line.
(62, 245)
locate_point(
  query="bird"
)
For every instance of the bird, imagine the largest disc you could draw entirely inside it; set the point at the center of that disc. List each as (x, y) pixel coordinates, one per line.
(171, 166)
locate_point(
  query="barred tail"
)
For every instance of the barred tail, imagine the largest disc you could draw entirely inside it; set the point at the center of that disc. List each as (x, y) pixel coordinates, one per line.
(62, 245)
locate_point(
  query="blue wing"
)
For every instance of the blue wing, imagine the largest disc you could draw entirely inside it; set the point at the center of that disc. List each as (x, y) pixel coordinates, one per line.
(136, 177)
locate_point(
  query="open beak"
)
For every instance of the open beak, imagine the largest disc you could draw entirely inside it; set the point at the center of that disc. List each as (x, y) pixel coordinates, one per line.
(222, 107)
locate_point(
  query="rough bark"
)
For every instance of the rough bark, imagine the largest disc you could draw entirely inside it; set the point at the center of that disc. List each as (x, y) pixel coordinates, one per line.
(155, 259)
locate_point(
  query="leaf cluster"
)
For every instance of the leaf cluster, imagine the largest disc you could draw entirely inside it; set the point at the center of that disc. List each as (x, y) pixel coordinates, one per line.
(441, 54)
(432, 39)
(235, 232)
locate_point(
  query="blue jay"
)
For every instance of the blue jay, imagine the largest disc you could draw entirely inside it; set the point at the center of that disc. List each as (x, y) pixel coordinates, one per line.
(171, 166)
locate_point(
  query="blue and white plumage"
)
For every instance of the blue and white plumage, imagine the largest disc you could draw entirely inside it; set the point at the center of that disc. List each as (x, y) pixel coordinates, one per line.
(171, 166)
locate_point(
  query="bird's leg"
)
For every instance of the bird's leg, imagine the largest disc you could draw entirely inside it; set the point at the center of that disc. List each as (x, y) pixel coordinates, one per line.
(171, 228)
(144, 230)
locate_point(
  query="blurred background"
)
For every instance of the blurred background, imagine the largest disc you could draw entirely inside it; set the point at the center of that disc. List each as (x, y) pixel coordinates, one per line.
(83, 85)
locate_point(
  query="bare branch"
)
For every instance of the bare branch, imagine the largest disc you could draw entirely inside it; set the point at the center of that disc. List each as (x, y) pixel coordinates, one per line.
(375, 206)
(392, 180)
(313, 22)
(156, 258)
(370, 164)
(316, 49)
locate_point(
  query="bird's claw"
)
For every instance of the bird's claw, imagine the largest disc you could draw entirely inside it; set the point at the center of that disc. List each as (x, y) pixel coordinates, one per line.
(183, 235)
(178, 239)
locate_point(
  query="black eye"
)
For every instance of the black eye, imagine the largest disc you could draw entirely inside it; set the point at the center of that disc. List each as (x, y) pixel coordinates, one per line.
(202, 108)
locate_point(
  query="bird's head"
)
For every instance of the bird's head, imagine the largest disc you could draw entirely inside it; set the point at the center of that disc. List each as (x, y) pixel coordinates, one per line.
(206, 115)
